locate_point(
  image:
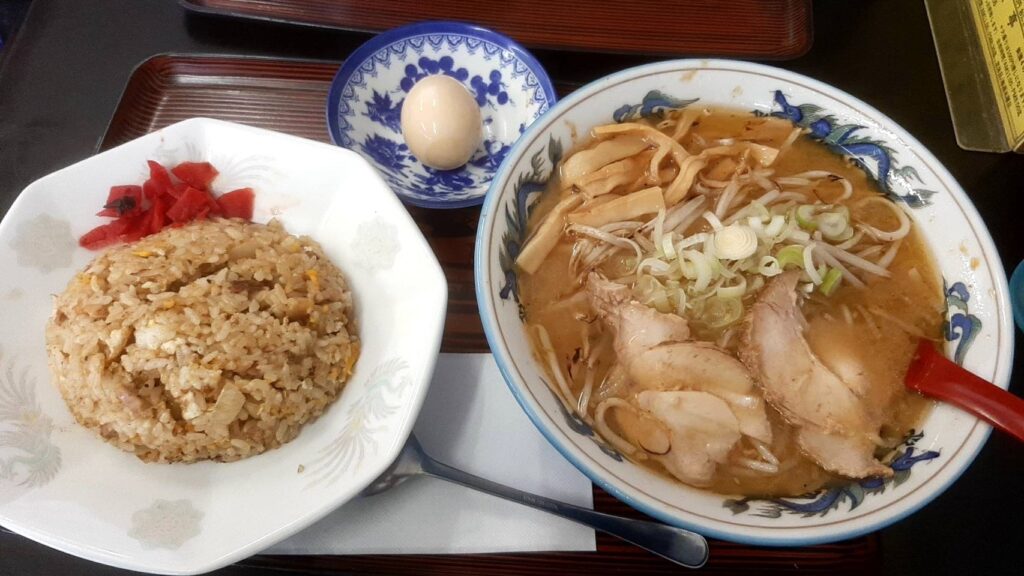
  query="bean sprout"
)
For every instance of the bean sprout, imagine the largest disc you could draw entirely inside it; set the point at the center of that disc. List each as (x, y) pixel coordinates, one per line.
(900, 232)
(601, 423)
(606, 237)
(552, 363)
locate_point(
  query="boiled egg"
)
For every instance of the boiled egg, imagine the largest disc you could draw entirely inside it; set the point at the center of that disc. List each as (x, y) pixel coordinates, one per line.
(441, 122)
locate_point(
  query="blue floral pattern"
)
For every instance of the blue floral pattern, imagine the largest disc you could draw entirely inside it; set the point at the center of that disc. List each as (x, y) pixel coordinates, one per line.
(826, 500)
(427, 66)
(960, 325)
(388, 154)
(443, 179)
(844, 140)
(366, 106)
(580, 426)
(493, 86)
(654, 105)
(525, 191)
(384, 111)
(494, 156)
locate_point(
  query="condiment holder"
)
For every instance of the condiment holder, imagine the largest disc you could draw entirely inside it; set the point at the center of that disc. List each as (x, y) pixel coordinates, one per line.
(364, 106)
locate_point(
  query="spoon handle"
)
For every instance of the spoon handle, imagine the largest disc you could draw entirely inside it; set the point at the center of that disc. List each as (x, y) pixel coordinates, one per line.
(932, 374)
(680, 546)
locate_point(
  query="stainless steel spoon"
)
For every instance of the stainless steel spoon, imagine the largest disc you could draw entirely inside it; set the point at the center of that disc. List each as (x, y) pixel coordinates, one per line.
(680, 546)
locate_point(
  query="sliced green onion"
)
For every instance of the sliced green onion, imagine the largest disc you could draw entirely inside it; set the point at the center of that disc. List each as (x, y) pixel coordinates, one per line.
(680, 301)
(760, 209)
(792, 255)
(703, 273)
(709, 244)
(735, 242)
(844, 235)
(674, 272)
(757, 226)
(716, 224)
(833, 226)
(809, 268)
(770, 266)
(645, 285)
(668, 247)
(709, 292)
(653, 266)
(652, 293)
(799, 235)
(686, 267)
(805, 217)
(775, 225)
(698, 238)
(736, 291)
(660, 301)
(789, 227)
(721, 312)
(830, 282)
(754, 210)
(852, 240)
(750, 264)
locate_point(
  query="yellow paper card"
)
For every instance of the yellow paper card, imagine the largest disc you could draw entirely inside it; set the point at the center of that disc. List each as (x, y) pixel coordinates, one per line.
(1000, 25)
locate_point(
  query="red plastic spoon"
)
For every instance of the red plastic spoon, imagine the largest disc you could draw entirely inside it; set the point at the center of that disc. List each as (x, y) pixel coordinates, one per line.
(934, 375)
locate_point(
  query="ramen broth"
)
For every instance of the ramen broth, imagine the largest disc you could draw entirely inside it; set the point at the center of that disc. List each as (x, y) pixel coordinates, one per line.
(879, 325)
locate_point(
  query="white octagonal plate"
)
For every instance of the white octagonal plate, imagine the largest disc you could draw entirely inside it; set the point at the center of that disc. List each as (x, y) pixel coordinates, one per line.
(63, 486)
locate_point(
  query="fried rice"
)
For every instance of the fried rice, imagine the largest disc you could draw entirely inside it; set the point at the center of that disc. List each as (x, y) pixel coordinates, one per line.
(217, 340)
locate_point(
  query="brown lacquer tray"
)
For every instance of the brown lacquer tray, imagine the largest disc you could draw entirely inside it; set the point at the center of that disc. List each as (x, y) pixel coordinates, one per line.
(289, 96)
(765, 29)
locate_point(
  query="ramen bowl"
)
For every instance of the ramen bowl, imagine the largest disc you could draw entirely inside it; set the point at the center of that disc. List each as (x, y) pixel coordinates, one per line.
(977, 332)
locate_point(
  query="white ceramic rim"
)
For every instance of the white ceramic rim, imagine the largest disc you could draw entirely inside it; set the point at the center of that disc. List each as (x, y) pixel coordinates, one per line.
(389, 451)
(952, 468)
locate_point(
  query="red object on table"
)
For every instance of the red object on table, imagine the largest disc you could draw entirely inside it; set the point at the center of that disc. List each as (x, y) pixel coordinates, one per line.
(936, 376)
(103, 235)
(237, 203)
(143, 210)
(193, 204)
(124, 229)
(195, 174)
(159, 184)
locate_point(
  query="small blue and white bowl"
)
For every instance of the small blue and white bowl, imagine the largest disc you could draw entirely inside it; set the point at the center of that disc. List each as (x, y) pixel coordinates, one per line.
(364, 106)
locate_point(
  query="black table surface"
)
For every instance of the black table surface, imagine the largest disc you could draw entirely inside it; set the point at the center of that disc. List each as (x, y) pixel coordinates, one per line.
(62, 75)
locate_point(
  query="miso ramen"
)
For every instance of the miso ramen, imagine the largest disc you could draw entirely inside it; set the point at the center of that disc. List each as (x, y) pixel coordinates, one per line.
(728, 302)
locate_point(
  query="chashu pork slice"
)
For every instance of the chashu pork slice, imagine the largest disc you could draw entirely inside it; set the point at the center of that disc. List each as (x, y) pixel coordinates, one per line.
(657, 354)
(835, 428)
